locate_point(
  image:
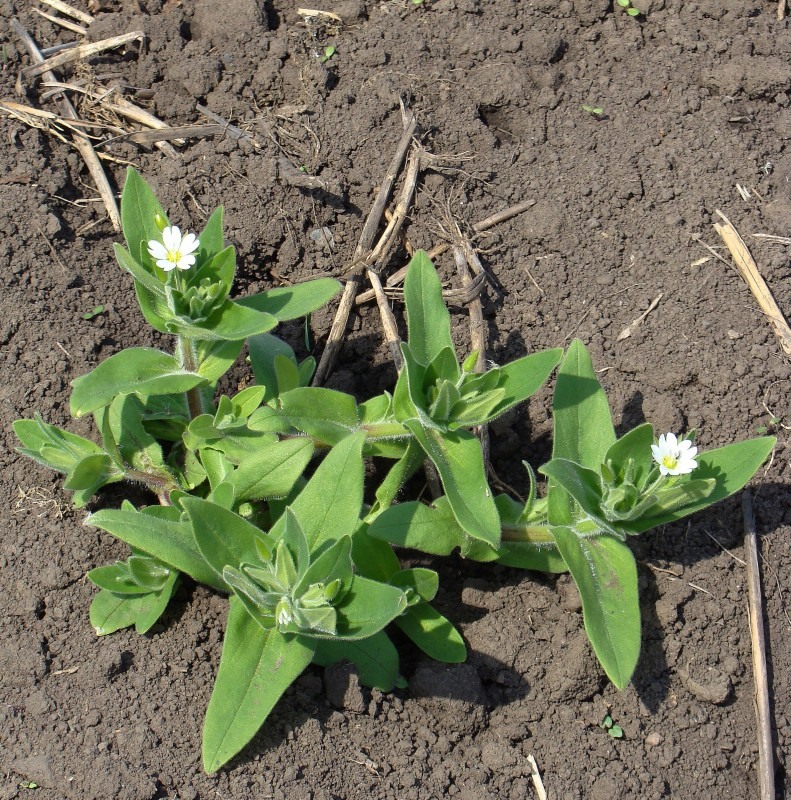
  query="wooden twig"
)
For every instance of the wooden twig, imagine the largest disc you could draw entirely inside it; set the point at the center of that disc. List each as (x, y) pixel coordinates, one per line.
(770, 237)
(384, 247)
(535, 776)
(479, 227)
(57, 48)
(169, 134)
(231, 130)
(65, 8)
(749, 271)
(635, 323)
(338, 330)
(766, 773)
(82, 144)
(781, 10)
(64, 23)
(117, 104)
(79, 53)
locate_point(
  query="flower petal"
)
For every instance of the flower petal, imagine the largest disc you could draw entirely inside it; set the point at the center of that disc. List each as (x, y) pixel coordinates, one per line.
(157, 250)
(189, 244)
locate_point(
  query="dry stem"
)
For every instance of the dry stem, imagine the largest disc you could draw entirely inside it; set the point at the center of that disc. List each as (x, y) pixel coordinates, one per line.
(79, 53)
(749, 271)
(763, 709)
(82, 144)
(338, 330)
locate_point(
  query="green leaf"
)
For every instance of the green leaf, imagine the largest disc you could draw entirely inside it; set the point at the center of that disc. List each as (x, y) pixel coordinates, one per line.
(322, 413)
(110, 612)
(255, 669)
(159, 532)
(116, 578)
(230, 322)
(293, 302)
(216, 358)
(583, 425)
(52, 446)
(433, 634)
(137, 370)
(730, 467)
(272, 471)
(459, 461)
(91, 473)
(522, 378)
(220, 268)
(155, 309)
(136, 445)
(329, 505)
(423, 582)
(263, 349)
(428, 319)
(399, 473)
(443, 367)
(287, 374)
(159, 602)
(583, 430)
(375, 658)
(634, 447)
(430, 529)
(373, 558)
(524, 555)
(333, 564)
(409, 401)
(211, 240)
(143, 278)
(367, 607)
(584, 485)
(139, 209)
(247, 401)
(605, 572)
(148, 572)
(224, 538)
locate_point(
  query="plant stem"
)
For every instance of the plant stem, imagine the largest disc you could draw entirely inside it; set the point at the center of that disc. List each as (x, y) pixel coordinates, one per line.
(160, 484)
(529, 534)
(187, 356)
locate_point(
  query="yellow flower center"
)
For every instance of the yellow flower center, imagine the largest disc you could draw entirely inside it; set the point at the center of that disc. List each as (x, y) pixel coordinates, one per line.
(669, 461)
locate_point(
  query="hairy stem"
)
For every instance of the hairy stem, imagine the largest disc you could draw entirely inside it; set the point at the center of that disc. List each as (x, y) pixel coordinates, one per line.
(187, 356)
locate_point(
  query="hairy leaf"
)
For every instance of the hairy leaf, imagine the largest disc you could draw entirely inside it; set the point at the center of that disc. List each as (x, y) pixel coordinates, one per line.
(605, 572)
(256, 667)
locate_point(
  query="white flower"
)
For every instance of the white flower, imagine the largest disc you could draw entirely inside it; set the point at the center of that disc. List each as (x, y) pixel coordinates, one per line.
(673, 456)
(176, 252)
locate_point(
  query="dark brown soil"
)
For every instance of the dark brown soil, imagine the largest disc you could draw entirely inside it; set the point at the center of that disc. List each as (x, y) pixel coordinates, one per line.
(695, 100)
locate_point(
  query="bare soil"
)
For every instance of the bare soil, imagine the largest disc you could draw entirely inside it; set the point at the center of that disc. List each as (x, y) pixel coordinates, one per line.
(694, 99)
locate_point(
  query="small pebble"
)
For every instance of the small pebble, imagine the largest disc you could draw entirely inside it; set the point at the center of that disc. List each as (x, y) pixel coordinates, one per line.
(653, 739)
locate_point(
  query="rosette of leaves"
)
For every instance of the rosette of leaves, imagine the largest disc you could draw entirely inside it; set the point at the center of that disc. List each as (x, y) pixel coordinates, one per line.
(142, 396)
(438, 400)
(601, 490)
(133, 592)
(311, 585)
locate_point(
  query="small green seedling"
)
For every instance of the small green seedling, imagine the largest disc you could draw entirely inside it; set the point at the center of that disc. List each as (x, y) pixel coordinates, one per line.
(614, 730)
(629, 8)
(94, 312)
(595, 110)
(329, 52)
(27, 785)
